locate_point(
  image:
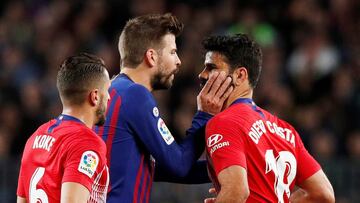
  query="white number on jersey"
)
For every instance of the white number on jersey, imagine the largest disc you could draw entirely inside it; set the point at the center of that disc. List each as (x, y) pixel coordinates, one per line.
(284, 168)
(37, 195)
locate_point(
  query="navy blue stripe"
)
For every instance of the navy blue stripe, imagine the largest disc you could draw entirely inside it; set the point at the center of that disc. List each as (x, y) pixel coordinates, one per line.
(51, 128)
(96, 129)
(251, 102)
(63, 117)
(69, 118)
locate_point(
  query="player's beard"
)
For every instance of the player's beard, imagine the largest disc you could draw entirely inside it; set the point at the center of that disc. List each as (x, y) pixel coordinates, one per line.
(161, 79)
(100, 113)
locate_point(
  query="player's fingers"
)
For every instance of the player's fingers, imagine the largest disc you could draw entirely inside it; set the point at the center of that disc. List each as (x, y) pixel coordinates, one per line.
(224, 86)
(209, 200)
(226, 94)
(210, 82)
(217, 83)
(212, 190)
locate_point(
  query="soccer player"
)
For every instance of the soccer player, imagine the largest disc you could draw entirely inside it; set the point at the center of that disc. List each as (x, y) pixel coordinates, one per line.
(136, 136)
(253, 155)
(64, 160)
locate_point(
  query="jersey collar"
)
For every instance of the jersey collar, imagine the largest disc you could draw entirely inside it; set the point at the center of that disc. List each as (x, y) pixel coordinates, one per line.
(243, 101)
(63, 117)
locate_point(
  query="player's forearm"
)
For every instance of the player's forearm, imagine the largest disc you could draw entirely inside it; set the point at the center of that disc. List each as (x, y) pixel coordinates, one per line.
(20, 200)
(301, 196)
(231, 195)
(200, 119)
(191, 147)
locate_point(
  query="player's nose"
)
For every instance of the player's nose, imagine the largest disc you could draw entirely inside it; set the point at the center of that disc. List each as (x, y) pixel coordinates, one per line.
(178, 61)
(203, 75)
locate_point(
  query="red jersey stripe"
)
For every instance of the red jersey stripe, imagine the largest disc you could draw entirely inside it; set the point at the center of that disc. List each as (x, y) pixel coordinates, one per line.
(138, 177)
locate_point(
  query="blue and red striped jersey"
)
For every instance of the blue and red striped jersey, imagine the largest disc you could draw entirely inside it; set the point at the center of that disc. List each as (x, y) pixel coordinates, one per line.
(136, 137)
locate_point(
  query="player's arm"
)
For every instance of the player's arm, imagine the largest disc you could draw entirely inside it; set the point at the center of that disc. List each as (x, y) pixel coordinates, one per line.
(144, 119)
(313, 183)
(20, 188)
(316, 188)
(197, 175)
(20, 200)
(234, 185)
(74, 193)
(225, 149)
(84, 160)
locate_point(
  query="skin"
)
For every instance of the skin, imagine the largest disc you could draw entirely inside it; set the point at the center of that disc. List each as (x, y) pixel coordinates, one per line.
(233, 180)
(90, 112)
(215, 62)
(316, 188)
(166, 64)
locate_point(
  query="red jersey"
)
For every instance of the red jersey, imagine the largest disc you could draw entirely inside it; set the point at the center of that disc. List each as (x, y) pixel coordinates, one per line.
(268, 148)
(63, 150)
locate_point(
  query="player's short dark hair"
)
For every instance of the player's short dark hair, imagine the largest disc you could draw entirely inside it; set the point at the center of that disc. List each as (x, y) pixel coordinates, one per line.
(239, 50)
(78, 75)
(144, 32)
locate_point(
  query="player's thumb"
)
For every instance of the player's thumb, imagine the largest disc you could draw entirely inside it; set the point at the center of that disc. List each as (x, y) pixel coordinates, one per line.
(209, 200)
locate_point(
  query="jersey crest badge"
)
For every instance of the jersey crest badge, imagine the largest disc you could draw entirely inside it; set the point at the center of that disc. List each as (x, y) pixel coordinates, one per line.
(156, 111)
(165, 132)
(88, 163)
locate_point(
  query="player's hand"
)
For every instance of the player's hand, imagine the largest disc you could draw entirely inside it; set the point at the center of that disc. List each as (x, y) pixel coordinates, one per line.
(216, 90)
(212, 199)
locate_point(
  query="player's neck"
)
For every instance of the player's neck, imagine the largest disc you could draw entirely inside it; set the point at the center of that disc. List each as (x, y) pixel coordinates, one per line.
(81, 114)
(139, 75)
(237, 94)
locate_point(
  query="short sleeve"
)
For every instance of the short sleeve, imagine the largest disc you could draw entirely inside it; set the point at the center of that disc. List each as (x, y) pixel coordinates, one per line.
(224, 144)
(20, 188)
(307, 165)
(83, 161)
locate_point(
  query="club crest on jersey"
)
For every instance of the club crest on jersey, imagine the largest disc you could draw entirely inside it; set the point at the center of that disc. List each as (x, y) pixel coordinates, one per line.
(88, 163)
(214, 139)
(165, 132)
(156, 111)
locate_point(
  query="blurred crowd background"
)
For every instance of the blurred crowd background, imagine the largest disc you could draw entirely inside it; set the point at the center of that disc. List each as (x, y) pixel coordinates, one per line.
(310, 77)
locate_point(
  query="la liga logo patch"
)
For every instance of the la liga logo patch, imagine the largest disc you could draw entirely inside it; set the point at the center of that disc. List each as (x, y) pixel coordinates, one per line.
(165, 132)
(88, 163)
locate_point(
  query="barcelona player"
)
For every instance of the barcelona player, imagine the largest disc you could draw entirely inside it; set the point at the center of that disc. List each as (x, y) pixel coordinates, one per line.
(140, 146)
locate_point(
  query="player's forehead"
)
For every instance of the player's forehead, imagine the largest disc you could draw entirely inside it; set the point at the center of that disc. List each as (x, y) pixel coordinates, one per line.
(169, 42)
(213, 58)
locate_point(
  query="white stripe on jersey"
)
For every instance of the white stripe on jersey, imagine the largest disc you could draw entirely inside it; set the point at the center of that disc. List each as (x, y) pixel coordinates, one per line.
(99, 191)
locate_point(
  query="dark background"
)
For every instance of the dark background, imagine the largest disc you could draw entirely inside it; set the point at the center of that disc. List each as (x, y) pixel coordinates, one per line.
(310, 75)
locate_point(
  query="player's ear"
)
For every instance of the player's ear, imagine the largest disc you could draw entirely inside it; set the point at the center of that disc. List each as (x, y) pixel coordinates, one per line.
(151, 57)
(241, 75)
(94, 97)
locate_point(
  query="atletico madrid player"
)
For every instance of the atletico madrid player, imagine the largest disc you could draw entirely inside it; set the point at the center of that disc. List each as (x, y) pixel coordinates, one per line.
(253, 155)
(64, 160)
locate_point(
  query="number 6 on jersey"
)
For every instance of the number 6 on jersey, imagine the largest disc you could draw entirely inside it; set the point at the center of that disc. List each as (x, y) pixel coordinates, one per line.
(37, 195)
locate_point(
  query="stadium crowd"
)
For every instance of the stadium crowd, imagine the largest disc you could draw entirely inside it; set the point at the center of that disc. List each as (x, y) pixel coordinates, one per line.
(310, 76)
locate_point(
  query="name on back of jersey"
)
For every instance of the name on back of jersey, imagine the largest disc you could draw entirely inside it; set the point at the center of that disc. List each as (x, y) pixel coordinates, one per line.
(43, 142)
(258, 128)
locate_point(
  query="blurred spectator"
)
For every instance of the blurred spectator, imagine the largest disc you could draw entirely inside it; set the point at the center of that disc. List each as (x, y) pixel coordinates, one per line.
(5, 139)
(311, 69)
(353, 146)
(323, 145)
(249, 23)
